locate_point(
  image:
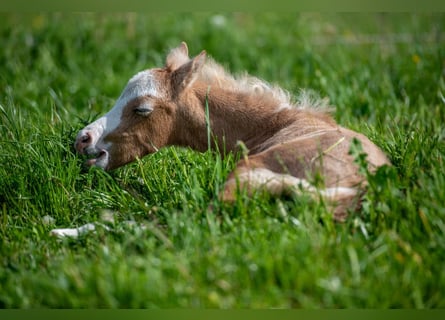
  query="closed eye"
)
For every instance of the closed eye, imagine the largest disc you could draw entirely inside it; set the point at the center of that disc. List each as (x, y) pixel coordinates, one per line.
(143, 110)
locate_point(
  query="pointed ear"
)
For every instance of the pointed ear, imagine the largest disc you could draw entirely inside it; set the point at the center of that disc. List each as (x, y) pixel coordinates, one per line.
(177, 57)
(187, 73)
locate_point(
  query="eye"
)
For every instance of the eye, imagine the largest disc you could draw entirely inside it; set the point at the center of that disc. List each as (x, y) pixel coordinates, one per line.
(143, 110)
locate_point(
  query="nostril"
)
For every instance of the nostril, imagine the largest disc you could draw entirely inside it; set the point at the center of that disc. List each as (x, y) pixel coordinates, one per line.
(85, 138)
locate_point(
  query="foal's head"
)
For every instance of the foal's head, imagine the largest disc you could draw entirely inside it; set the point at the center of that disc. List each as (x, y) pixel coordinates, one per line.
(143, 118)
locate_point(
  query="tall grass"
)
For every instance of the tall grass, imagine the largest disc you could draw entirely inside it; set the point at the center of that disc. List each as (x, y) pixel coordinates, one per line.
(383, 72)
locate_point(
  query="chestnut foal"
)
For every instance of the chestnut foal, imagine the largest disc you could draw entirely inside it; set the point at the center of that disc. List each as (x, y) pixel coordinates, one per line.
(289, 143)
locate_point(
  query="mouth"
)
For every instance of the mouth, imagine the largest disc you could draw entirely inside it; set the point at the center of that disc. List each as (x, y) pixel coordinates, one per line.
(98, 159)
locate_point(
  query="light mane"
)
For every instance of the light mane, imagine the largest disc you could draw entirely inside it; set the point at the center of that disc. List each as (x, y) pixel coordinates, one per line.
(215, 75)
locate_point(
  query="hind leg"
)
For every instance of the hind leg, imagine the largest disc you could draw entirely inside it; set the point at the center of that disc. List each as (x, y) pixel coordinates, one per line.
(253, 180)
(339, 199)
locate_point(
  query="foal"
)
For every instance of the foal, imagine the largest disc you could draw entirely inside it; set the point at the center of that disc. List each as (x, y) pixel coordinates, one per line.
(289, 144)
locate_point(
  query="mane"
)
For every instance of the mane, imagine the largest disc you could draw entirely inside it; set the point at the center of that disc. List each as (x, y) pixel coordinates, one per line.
(216, 75)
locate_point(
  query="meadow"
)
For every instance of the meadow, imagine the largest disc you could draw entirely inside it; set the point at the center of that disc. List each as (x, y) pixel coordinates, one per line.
(385, 75)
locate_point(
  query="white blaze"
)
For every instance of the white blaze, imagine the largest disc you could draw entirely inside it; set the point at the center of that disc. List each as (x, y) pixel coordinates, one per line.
(142, 84)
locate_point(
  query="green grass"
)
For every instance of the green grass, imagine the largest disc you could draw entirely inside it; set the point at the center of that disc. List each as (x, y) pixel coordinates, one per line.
(383, 72)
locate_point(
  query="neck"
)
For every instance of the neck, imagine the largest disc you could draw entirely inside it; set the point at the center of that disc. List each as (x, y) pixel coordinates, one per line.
(233, 117)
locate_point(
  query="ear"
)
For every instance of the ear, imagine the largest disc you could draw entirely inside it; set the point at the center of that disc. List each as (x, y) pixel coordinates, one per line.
(177, 57)
(187, 73)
